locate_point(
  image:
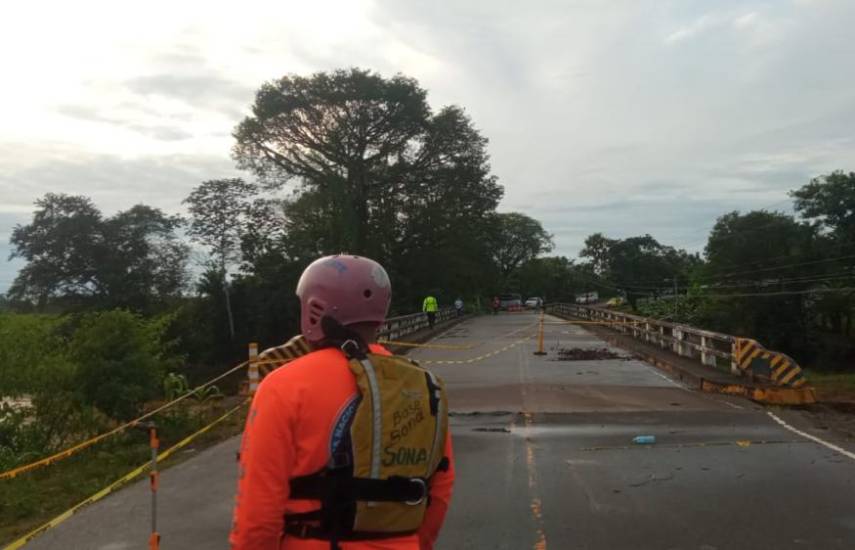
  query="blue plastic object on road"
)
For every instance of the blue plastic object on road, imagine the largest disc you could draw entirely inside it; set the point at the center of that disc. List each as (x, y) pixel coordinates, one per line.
(644, 439)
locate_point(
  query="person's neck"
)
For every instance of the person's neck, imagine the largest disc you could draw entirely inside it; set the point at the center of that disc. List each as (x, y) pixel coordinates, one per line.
(368, 334)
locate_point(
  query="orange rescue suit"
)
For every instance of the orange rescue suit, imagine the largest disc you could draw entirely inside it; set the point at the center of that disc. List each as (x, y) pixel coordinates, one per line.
(287, 435)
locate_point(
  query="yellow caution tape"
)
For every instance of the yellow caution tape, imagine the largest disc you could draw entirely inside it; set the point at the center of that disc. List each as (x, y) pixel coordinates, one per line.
(426, 346)
(474, 359)
(632, 323)
(116, 484)
(89, 442)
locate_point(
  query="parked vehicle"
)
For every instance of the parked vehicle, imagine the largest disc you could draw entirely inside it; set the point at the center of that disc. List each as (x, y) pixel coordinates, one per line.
(617, 301)
(534, 302)
(510, 301)
(588, 298)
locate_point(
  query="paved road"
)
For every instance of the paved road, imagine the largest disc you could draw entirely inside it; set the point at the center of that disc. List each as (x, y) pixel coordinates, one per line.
(545, 460)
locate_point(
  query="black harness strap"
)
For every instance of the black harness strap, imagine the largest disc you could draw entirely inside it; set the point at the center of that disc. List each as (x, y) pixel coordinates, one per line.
(308, 531)
(352, 489)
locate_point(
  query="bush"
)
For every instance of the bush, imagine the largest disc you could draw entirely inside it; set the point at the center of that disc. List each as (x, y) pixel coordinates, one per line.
(119, 360)
(29, 347)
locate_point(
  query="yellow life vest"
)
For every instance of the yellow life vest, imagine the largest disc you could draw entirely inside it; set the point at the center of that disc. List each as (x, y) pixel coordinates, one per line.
(396, 444)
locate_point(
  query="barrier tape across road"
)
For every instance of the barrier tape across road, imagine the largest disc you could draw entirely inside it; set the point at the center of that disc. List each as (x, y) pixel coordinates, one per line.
(119, 482)
(71, 451)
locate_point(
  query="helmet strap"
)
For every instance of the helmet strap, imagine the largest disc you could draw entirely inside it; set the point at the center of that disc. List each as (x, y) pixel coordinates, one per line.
(339, 336)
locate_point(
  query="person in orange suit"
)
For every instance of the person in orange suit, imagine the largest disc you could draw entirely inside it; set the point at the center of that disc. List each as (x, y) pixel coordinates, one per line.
(293, 418)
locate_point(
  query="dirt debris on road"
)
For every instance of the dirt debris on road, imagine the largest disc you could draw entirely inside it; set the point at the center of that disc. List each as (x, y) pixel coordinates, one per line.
(587, 354)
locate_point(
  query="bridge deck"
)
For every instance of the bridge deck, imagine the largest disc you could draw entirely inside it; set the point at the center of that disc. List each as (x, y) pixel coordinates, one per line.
(545, 460)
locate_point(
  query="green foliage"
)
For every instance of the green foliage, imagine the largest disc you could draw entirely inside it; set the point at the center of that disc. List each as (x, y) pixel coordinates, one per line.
(379, 174)
(176, 385)
(692, 308)
(119, 362)
(829, 202)
(78, 259)
(554, 279)
(637, 266)
(743, 254)
(516, 239)
(29, 346)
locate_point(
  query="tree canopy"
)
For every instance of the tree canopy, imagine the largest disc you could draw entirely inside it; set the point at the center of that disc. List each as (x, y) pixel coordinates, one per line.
(77, 257)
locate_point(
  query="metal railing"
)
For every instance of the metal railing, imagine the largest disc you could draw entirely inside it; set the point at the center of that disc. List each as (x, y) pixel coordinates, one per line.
(712, 349)
(396, 327)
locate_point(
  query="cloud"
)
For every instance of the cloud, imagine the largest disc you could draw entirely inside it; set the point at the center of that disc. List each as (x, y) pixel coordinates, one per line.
(156, 131)
(624, 117)
(745, 21)
(114, 183)
(207, 89)
(700, 25)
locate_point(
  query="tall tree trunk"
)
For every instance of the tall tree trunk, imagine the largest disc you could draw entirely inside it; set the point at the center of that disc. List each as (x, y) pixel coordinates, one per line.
(228, 307)
(360, 195)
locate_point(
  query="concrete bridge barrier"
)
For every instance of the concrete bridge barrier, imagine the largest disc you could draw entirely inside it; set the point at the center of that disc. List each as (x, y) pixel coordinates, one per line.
(759, 374)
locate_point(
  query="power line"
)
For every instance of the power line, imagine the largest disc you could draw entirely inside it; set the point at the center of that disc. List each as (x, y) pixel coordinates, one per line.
(850, 256)
(780, 293)
(764, 208)
(653, 284)
(791, 256)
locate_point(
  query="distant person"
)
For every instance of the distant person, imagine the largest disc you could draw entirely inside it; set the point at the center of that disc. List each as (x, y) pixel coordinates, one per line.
(458, 307)
(313, 474)
(430, 306)
(496, 304)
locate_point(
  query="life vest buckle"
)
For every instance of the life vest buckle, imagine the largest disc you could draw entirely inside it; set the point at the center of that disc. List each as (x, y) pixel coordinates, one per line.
(424, 494)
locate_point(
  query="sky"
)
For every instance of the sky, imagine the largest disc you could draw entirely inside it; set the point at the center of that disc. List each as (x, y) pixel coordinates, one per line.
(623, 117)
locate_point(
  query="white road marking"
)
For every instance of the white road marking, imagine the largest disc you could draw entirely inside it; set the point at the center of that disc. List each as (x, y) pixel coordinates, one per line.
(729, 404)
(655, 371)
(813, 438)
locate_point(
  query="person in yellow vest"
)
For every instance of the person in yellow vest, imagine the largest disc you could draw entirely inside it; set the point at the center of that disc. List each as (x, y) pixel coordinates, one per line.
(430, 307)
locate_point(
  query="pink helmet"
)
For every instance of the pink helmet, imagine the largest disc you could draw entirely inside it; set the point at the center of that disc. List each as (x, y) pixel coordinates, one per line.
(350, 289)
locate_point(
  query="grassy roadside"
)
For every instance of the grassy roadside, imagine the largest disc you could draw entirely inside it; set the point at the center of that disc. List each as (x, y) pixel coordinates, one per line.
(832, 386)
(31, 499)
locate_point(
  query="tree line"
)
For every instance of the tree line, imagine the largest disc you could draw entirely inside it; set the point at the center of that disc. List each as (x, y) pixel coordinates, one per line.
(786, 280)
(345, 161)
(349, 161)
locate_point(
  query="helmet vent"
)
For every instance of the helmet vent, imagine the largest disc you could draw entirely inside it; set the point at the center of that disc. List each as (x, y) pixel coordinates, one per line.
(367, 293)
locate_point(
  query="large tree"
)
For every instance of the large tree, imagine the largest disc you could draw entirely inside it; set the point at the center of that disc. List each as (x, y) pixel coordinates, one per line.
(342, 132)
(516, 239)
(636, 266)
(757, 264)
(61, 246)
(377, 173)
(597, 249)
(829, 201)
(76, 256)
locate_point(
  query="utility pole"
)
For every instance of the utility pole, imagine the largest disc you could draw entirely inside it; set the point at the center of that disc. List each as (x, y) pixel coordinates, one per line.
(675, 298)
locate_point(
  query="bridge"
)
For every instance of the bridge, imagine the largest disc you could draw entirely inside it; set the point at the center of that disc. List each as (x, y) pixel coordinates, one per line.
(546, 456)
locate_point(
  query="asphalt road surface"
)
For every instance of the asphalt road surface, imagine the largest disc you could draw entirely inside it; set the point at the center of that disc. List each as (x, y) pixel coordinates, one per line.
(545, 459)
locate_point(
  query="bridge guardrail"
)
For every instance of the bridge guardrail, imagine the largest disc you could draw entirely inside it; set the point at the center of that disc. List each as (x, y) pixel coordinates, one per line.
(703, 345)
(395, 327)
(784, 378)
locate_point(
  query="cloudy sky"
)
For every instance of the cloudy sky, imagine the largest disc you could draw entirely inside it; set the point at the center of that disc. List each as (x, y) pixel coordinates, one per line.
(624, 117)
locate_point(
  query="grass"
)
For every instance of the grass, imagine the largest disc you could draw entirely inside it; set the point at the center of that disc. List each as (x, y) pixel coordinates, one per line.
(832, 386)
(31, 499)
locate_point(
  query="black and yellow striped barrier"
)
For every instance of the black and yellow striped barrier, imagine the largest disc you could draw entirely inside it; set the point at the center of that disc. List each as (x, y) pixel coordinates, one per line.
(290, 350)
(755, 360)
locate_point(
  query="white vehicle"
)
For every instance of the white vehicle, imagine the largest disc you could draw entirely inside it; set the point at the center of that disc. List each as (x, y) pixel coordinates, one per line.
(533, 302)
(588, 298)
